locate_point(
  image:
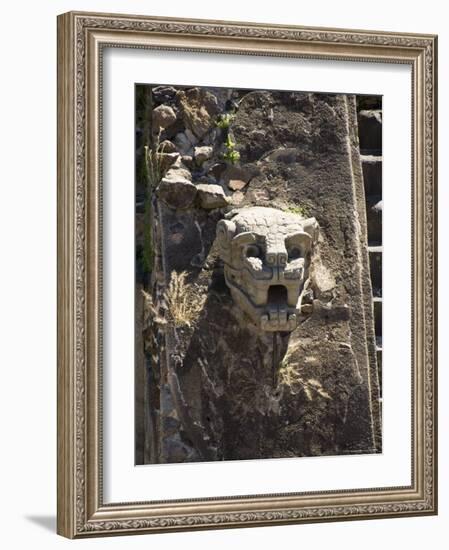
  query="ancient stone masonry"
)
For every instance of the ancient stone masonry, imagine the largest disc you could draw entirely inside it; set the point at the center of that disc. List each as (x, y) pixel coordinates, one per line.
(255, 334)
(266, 254)
(370, 135)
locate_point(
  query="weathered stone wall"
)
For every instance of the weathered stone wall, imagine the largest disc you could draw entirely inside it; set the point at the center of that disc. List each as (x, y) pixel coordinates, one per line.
(216, 387)
(369, 110)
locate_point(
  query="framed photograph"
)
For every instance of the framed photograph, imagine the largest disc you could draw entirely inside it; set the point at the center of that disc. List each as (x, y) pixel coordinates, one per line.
(246, 274)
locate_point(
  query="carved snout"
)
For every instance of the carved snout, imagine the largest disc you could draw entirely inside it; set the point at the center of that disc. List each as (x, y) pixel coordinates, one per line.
(266, 255)
(277, 257)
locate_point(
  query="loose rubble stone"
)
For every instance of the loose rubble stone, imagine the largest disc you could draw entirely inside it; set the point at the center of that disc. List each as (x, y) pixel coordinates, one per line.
(187, 160)
(211, 196)
(185, 142)
(179, 172)
(167, 160)
(203, 153)
(236, 198)
(191, 136)
(259, 197)
(210, 137)
(217, 169)
(235, 172)
(163, 117)
(257, 134)
(176, 189)
(167, 146)
(198, 110)
(163, 94)
(179, 164)
(237, 185)
(283, 154)
(208, 179)
(181, 235)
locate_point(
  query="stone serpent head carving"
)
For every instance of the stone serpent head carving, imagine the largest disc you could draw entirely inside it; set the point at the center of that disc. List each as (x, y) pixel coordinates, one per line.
(266, 255)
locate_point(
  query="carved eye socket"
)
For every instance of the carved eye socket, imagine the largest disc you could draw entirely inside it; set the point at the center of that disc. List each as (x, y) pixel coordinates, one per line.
(294, 253)
(253, 251)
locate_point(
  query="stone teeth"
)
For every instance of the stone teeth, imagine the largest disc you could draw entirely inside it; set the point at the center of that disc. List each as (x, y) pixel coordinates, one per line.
(278, 320)
(282, 317)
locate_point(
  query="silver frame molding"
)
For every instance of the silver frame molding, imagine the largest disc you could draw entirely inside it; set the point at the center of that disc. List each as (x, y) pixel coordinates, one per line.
(81, 37)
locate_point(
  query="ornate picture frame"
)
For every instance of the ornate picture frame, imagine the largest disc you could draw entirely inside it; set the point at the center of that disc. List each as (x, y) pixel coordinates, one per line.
(82, 38)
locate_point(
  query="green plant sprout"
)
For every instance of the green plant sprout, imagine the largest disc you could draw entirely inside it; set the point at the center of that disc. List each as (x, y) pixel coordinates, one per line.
(297, 209)
(231, 154)
(224, 120)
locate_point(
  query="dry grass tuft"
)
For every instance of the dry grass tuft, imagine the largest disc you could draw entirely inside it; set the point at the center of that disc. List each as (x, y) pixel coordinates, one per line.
(184, 300)
(151, 314)
(154, 163)
(290, 375)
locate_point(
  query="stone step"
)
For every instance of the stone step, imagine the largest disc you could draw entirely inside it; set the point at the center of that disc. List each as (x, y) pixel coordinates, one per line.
(379, 367)
(375, 263)
(372, 174)
(377, 306)
(379, 361)
(374, 219)
(370, 131)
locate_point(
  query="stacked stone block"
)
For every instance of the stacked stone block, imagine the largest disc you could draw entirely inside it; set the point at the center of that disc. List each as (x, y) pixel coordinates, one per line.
(370, 138)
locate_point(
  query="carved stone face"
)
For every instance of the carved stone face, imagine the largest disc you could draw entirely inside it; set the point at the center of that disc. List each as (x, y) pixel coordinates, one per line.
(266, 254)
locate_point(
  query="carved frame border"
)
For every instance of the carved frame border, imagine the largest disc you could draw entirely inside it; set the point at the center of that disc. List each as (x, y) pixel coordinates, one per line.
(81, 37)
